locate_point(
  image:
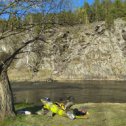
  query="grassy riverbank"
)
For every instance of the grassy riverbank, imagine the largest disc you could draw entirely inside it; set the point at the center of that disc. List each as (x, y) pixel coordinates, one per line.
(101, 114)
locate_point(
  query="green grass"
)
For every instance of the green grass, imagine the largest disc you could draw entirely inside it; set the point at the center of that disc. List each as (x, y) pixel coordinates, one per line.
(101, 114)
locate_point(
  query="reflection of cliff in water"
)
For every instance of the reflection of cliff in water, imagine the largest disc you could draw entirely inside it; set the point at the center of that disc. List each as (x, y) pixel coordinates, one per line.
(84, 91)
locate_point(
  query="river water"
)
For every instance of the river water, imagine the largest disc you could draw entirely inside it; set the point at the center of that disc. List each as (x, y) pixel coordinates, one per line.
(82, 91)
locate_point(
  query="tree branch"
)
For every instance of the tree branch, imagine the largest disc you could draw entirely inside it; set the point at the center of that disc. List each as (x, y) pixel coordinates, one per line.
(8, 61)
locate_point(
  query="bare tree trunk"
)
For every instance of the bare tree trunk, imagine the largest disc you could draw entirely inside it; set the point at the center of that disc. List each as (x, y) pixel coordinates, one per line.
(6, 96)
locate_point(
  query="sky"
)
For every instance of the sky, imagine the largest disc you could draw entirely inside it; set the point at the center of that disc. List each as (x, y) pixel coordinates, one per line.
(75, 4)
(79, 3)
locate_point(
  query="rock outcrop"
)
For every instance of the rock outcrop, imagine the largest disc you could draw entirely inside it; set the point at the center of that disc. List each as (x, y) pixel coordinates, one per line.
(91, 52)
(85, 52)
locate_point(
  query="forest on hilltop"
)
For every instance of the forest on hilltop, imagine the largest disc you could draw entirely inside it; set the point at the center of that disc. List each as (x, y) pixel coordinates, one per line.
(100, 10)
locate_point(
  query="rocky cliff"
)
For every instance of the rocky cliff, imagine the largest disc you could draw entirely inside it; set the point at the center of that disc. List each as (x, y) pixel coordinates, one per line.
(82, 52)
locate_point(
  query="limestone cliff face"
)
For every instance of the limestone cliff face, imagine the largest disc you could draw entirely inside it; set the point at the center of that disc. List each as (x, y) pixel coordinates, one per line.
(90, 52)
(85, 52)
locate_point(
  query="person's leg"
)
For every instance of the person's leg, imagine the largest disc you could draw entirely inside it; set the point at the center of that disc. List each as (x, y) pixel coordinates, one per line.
(68, 105)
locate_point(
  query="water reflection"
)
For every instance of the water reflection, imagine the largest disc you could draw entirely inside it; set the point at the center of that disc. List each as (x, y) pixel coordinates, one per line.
(84, 91)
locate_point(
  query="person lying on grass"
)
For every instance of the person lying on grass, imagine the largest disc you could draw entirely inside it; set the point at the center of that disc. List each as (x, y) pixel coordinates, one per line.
(62, 109)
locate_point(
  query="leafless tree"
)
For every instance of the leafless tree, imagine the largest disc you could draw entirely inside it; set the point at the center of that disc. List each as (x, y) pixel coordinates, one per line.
(17, 46)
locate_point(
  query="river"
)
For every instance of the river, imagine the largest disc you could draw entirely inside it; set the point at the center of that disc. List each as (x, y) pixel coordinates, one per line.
(82, 91)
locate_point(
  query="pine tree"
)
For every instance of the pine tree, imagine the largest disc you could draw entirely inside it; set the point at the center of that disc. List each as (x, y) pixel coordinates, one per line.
(80, 15)
(97, 9)
(109, 20)
(118, 10)
(86, 12)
